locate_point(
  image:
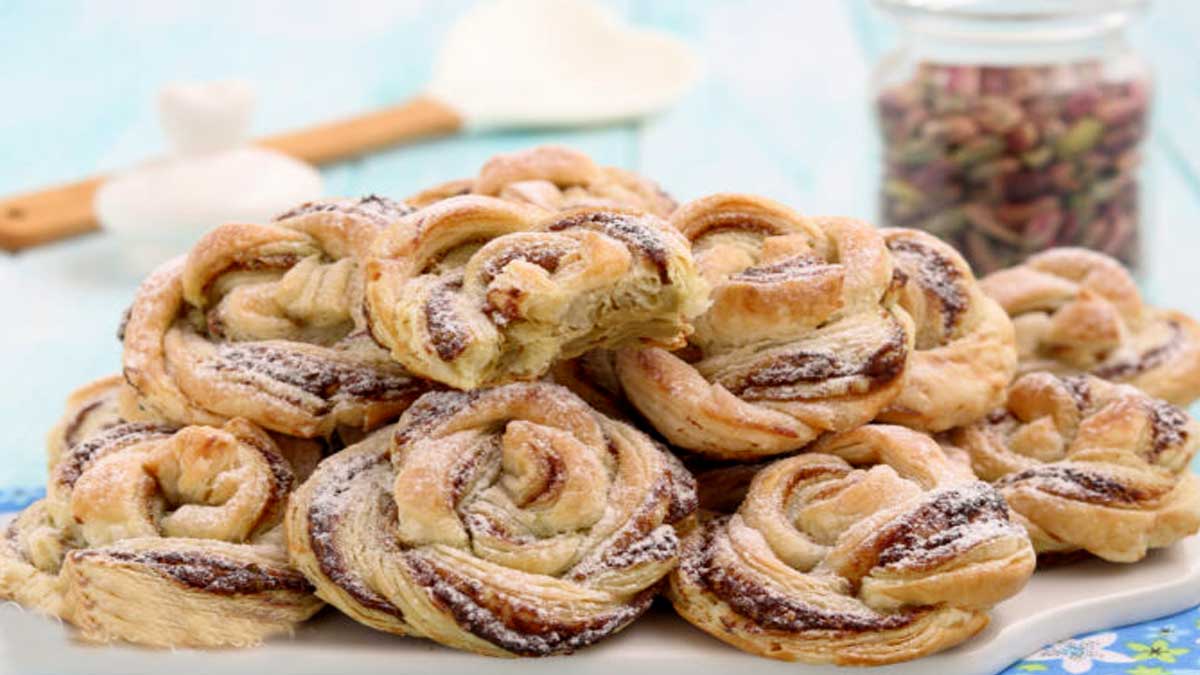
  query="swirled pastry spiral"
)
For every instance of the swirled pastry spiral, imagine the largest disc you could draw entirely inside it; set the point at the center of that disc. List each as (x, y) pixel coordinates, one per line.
(159, 536)
(1079, 311)
(1090, 465)
(265, 322)
(555, 178)
(803, 335)
(872, 549)
(474, 291)
(513, 521)
(965, 353)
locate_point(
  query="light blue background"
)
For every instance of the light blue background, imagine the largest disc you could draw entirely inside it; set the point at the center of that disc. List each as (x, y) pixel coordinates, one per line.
(783, 111)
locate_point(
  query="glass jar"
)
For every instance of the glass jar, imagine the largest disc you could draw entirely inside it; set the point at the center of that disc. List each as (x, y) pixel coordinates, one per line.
(1011, 126)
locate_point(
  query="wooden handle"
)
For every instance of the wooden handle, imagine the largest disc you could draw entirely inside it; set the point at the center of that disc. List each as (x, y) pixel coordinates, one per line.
(41, 217)
(419, 118)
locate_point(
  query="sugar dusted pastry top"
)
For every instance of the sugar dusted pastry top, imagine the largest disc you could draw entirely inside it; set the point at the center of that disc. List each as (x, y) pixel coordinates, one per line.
(474, 291)
(1090, 465)
(1079, 311)
(512, 521)
(159, 535)
(803, 334)
(873, 548)
(964, 352)
(265, 321)
(555, 178)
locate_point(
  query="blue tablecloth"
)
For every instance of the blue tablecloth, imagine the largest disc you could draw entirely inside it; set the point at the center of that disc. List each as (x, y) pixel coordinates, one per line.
(1166, 646)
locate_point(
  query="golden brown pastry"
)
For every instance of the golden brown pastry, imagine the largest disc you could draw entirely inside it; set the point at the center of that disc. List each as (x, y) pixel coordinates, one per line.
(98, 406)
(90, 410)
(873, 548)
(1090, 465)
(555, 178)
(513, 521)
(965, 353)
(803, 336)
(158, 536)
(265, 322)
(475, 291)
(1079, 311)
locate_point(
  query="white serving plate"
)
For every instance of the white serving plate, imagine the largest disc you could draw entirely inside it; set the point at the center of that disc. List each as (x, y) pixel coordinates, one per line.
(1058, 603)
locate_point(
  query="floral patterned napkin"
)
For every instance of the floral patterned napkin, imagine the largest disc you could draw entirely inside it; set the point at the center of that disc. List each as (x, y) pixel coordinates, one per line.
(1167, 646)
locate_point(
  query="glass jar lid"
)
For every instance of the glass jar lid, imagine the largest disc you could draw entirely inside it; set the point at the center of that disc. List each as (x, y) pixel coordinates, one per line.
(1013, 20)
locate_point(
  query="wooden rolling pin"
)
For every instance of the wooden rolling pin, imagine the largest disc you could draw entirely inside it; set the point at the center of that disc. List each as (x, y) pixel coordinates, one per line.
(44, 216)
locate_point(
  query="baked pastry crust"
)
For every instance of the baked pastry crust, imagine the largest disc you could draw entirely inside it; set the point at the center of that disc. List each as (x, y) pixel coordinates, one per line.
(513, 521)
(90, 410)
(555, 178)
(475, 291)
(1090, 465)
(803, 335)
(265, 322)
(1079, 311)
(159, 536)
(965, 352)
(873, 548)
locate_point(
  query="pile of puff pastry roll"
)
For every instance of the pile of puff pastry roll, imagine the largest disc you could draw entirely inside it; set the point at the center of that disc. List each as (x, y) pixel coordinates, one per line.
(507, 413)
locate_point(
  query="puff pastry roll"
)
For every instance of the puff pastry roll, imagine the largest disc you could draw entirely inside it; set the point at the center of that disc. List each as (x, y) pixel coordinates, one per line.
(1090, 465)
(873, 548)
(965, 351)
(475, 291)
(803, 336)
(265, 322)
(161, 536)
(555, 178)
(513, 521)
(1079, 311)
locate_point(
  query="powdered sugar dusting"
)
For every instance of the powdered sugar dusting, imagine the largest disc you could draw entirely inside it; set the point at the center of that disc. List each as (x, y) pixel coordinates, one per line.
(430, 410)
(1079, 482)
(936, 275)
(381, 211)
(640, 237)
(709, 564)
(1080, 390)
(518, 625)
(446, 331)
(1124, 369)
(467, 479)
(952, 521)
(1168, 424)
(783, 270)
(786, 376)
(327, 379)
(82, 455)
(325, 514)
(206, 572)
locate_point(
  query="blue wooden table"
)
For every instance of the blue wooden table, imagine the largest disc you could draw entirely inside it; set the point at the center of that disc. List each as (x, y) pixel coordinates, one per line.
(783, 111)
